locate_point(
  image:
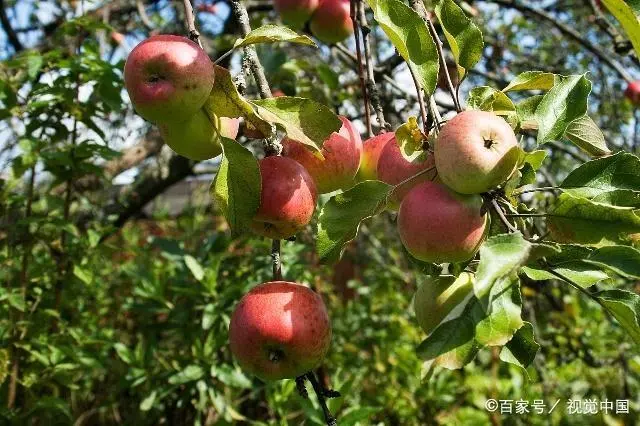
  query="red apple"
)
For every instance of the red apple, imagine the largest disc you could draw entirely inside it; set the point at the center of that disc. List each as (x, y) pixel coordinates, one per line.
(295, 13)
(476, 151)
(438, 225)
(331, 22)
(168, 78)
(198, 138)
(394, 168)
(280, 330)
(341, 151)
(633, 92)
(371, 150)
(288, 198)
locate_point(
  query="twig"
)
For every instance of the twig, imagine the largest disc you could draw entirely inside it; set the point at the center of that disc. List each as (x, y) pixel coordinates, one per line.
(423, 110)
(573, 284)
(500, 213)
(194, 35)
(541, 189)
(361, 74)
(443, 61)
(144, 18)
(6, 26)
(321, 394)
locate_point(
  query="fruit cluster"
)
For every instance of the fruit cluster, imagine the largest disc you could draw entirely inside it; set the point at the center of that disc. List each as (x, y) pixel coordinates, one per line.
(329, 20)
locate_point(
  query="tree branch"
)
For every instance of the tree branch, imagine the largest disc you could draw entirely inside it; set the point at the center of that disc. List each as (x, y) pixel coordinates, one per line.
(6, 26)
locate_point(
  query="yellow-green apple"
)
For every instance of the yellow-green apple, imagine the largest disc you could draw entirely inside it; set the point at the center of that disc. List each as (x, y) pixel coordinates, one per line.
(439, 225)
(280, 330)
(295, 13)
(331, 22)
(168, 78)
(371, 149)
(198, 138)
(287, 200)
(476, 151)
(394, 169)
(633, 92)
(438, 297)
(341, 151)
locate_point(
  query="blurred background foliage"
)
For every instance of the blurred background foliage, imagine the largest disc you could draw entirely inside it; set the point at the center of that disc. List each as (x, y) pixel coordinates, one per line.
(119, 276)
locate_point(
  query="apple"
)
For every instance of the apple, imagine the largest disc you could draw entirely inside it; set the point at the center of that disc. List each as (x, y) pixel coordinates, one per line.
(393, 168)
(438, 297)
(331, 22)
(280, 330)
(168, 78)
(341, 151)
(371, 150)
(295, 13)
(438, 225)
(476, 151)
(287, 200)
(633, 92)
(198, 138)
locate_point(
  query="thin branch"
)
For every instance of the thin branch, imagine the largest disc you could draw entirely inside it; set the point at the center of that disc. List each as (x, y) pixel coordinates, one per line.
(443, 61)
(361, 75)
(419, 95)
(190, 20)
(144, 18)
(320, 393)
(500, 213)
(6, 26)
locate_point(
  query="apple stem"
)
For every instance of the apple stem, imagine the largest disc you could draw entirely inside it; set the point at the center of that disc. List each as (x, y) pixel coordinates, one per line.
(194, 35)
(322, 393)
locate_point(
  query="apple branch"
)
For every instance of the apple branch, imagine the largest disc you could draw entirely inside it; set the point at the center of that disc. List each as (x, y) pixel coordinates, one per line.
(6, 26)
(190, 19)
(322, 393)
(363, 85)
(443, 61)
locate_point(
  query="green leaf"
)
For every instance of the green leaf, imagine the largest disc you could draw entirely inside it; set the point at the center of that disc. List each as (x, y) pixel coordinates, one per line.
(230, 376)
(566, 101)
(123, 352)
(464, 37)
(578, 271)
(190, 374)
(358, 415)
(505, 312)
(225, 101)
(237, 185)
(409, 139)
(273, 34)
(625, 14)
(16, 301)
(341, 216)
(625, 307)
(485, 98)
(194, 266)
(587, 136)
(410, 35)
(531, 80)
(303, 120)
(522, 349)
(622, 260)
(582, 221)
(83, 274)
(500, 256)
(148, 402)
(611, 180)
(526, 112)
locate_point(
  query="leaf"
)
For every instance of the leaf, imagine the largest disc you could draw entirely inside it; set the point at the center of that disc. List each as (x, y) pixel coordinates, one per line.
(625, 14)
(341, 216)
(273, 34)
(194, 266)
(625, 307)
(357, 415)
(622, 260)
(464, 37)
(225, 101)
(409, 139)
(16, 301)
(531, 80)
(409, 34)
(123, 352)
(566, 101)
(500, 256)
(611, 180)
(582, 221)
(82, 274)
(190, 374)
(526, 112)
(303, 120)
(522, 349)
(230, 376)
(485, 98)
(237, 185)
(578, 271)
(587, 136)
(148, 402)
(505, 312)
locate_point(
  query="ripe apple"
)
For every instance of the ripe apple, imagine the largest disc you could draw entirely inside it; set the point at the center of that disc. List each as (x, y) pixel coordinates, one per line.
(341, 151)
(438, 297)
(633, 92)
(168, 78)
(371, 150)
(394, 168)
(288, 198)
(438, 225)
(331, 22)
(295, 13)
(280, 330)
(476, 151)
(198, 138)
